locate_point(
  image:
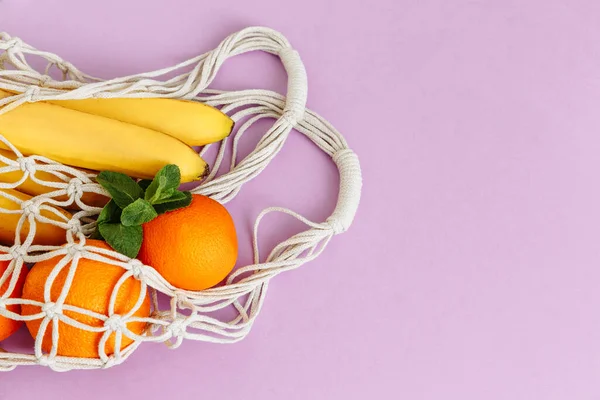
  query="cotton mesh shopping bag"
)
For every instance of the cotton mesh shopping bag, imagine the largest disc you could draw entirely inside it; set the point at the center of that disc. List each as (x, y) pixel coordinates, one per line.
(189, 314)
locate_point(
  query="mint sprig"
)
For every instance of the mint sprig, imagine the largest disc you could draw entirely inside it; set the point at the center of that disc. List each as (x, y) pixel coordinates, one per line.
(137, 213)
(135, 203)
(124, 239)
(122, 188)
(164, 185)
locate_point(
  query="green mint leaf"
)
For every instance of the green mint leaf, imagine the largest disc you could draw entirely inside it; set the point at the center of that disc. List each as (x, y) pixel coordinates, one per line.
(164, 184)
(110, 213)
(176, 196)
(144, 183)
(174, 205)
(122, 188)
(137, 213)
(126, 240)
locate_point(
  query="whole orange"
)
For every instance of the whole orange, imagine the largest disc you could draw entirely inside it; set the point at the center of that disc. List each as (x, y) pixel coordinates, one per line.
(92, 286)
(10, 326)
(194, 247)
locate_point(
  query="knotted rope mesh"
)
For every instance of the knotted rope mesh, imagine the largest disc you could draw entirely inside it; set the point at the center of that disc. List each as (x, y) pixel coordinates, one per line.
(190, 314)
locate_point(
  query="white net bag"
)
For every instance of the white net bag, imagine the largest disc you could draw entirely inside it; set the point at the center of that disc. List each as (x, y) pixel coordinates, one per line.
(189, 314)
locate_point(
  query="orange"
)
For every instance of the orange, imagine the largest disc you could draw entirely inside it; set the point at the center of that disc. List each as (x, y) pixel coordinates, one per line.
(194, 247)
(92, 286)
(10, 326)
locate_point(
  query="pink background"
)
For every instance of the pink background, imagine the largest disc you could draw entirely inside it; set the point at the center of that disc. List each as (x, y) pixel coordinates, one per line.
(471, 271)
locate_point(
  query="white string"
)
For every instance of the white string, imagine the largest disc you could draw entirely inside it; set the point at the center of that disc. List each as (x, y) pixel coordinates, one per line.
(246, 287)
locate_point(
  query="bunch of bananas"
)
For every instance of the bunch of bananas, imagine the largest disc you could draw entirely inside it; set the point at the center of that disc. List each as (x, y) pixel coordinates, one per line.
(136, 137)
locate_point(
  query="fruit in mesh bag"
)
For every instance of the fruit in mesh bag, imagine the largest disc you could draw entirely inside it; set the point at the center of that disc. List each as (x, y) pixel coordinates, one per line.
(192, 122)
(9, 326)
(97, 143)
(91, 289)
(132, 136)
(193, 248)
(45, 234)
(33, 188)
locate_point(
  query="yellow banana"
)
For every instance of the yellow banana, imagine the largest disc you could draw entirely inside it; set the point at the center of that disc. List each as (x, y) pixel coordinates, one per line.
(94, 142)
(29, 186)
(192, 122)
(45, 234)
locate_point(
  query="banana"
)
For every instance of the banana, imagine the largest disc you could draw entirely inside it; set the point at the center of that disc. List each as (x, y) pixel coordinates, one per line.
(95, 142)
(45, 234)
(29, 186)
(192, 122)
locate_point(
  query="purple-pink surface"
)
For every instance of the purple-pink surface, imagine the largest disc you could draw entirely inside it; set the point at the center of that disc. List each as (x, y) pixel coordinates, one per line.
(472, 268)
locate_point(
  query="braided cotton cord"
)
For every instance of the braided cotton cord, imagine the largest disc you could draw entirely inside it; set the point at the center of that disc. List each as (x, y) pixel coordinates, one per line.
(246, 287)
